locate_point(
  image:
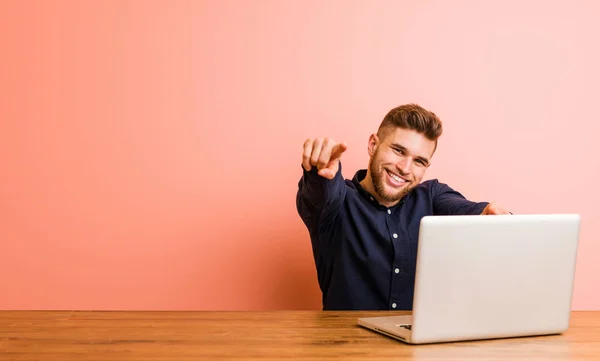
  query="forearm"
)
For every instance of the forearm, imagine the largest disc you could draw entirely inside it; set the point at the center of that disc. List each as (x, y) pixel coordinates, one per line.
(458, 206)
(450, 202)
(318, 195)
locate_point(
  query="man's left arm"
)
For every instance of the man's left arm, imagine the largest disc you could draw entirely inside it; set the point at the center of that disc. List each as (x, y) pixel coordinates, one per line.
(447, 201)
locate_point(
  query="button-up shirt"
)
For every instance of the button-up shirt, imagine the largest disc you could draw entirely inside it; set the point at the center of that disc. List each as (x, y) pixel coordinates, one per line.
(365, 253)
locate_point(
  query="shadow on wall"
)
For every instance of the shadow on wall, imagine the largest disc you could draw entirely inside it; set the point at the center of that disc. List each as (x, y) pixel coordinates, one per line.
(282, 266)
(264, 262)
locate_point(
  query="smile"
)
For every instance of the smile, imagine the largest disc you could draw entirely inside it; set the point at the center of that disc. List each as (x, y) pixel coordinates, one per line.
(395, 179)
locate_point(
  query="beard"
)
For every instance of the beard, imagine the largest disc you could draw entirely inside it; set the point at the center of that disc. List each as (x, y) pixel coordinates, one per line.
(378, 178)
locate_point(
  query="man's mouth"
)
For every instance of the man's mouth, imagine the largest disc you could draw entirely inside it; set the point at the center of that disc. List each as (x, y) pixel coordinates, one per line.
(396, 179)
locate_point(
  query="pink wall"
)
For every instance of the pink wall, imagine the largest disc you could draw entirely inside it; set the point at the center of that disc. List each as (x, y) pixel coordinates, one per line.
(151, 149)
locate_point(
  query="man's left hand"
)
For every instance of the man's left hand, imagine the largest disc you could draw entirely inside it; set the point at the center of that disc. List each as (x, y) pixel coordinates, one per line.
(494, 209)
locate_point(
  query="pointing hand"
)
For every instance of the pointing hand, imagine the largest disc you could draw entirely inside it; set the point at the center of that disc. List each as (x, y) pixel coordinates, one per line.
(323, 153)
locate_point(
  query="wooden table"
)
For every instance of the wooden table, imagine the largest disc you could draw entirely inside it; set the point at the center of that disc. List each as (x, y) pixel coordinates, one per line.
(304, 335)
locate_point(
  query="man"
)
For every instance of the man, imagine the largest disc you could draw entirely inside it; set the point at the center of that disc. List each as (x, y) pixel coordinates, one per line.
(364, 231)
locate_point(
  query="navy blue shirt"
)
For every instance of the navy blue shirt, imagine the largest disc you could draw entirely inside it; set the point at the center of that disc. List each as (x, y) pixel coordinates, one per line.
(365, 253)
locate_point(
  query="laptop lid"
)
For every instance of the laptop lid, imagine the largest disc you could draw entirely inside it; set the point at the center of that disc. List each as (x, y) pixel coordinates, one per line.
(494, 276)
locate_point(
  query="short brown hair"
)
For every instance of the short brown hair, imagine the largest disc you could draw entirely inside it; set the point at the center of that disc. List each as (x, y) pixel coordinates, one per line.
(414, 117)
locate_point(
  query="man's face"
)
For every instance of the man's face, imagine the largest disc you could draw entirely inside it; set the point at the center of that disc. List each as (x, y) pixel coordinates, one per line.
(398, 162)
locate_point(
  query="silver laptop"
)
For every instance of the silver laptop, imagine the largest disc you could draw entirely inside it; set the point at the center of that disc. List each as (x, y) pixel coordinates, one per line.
(484, 277)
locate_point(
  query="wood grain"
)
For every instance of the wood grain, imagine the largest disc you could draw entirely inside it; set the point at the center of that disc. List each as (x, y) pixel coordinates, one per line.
(303, 335)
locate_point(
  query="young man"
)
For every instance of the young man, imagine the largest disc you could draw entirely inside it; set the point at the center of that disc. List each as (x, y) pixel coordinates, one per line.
(364, 231)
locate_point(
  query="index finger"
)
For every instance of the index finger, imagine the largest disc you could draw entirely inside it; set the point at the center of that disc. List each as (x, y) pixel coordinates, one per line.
(338, 150)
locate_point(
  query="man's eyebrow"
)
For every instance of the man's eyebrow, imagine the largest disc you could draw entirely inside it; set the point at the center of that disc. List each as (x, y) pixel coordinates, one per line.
(402, 148)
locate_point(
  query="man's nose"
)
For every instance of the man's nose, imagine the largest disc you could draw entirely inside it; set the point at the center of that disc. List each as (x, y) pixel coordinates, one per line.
(404, 165)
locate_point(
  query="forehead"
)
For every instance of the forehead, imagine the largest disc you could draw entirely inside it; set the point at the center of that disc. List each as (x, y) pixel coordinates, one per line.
(417, 144)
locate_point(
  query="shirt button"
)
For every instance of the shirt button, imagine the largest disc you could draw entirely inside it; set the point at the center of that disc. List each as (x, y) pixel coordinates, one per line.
(394, 305)
(371, 198)
(389, 211)
(395, 235)
(397, 270)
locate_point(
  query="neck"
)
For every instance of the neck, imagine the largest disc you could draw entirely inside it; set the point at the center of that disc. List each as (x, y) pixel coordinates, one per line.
(367, 184)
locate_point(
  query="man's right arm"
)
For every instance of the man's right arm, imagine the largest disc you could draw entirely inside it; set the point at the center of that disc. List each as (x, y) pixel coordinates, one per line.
(321, 189)
(319, 199)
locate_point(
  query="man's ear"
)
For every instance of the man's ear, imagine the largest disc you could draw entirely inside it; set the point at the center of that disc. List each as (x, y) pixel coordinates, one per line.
(372, 146)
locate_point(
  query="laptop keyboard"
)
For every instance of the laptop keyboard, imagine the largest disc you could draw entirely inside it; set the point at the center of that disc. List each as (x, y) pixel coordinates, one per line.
(408, 327)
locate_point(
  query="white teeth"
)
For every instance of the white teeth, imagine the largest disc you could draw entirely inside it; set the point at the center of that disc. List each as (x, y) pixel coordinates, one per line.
(395, 177)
